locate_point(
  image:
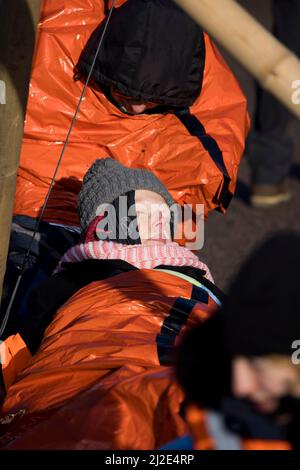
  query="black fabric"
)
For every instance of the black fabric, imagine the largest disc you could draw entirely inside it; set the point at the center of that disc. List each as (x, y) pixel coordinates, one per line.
(225, 197)
(261, 314)
(50, 244)
(221, 296)
(195, 273)
(45, 300)
(196, 128)
(203, 366)
(2, 386)
(200, 295)
(270, 149)
(289, 411)
(242, 419)
(152, 51)
(171, 328)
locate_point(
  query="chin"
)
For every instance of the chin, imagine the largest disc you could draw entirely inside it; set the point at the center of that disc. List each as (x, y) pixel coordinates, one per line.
(266, 407)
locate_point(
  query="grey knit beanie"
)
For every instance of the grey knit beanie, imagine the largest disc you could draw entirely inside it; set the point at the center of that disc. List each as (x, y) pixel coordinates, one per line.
(108, 179)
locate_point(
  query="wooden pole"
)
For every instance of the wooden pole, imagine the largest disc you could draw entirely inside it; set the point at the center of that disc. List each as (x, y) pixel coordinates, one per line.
(275, 67)
(18, 23)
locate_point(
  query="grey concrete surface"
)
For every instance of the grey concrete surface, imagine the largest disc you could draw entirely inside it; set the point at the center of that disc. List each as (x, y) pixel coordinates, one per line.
(230, 238)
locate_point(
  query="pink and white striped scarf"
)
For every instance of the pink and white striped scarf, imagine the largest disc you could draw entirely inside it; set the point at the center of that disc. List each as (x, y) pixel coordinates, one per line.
(140, 256)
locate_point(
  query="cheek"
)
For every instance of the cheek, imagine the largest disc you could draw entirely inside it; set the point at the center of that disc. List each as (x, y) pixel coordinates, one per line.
(274, 382)
(244, 380)
(143, 226)
(153, 227)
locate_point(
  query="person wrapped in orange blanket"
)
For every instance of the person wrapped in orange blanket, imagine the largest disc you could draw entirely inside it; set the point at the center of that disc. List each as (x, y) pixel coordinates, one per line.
(161, 98)
(88, 368)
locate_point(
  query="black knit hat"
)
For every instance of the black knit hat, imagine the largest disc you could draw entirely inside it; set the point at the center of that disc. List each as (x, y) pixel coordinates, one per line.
(108, 179)
(262, 313)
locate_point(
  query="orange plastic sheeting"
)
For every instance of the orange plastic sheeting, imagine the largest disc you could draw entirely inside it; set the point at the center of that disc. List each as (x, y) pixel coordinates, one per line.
(136, 408)
(16, 355)
(96, 381)
(266, 445)
(196, 420)
(157, 142)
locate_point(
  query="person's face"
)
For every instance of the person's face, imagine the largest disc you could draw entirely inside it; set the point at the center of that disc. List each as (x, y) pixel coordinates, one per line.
(265, 381)
(131, 106)
(153, 217)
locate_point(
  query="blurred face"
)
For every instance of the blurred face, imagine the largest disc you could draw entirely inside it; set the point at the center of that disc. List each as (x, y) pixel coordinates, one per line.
(129, 105)
(153, 217)
(265, 381)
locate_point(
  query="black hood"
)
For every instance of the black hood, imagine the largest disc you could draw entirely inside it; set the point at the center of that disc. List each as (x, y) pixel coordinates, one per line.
(152, 51)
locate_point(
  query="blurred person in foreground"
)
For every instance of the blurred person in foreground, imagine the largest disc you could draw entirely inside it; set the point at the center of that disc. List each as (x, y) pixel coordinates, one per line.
(246, 393)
